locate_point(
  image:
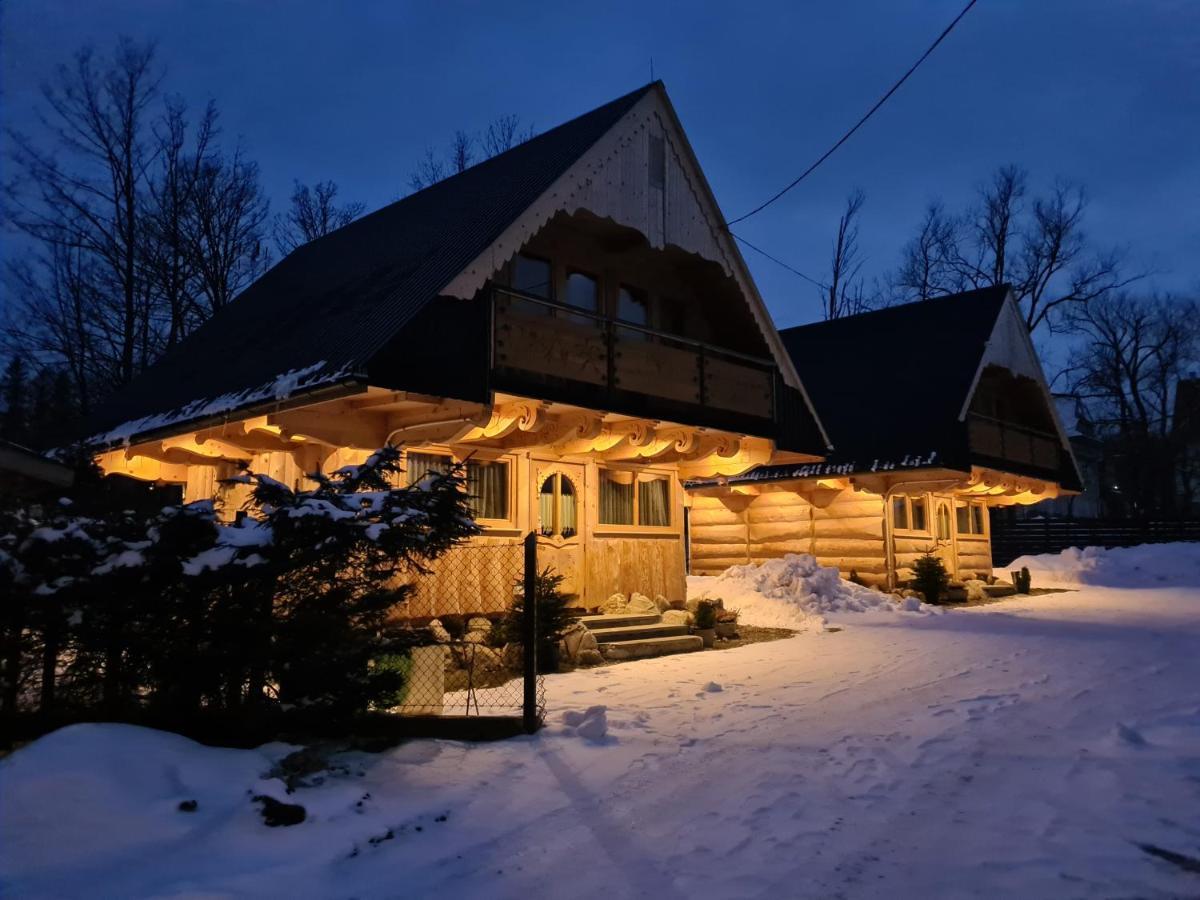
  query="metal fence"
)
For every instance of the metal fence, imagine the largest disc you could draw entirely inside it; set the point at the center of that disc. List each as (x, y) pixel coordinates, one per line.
(472, 640)
(1011, 540)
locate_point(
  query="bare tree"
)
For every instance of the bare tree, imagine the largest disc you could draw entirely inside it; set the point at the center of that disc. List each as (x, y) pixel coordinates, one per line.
(503, 133)
(929, 266)
(1133, 353)
(97, 112)
(139, 226)
(429, 170)
(312, 214)
(844, 295)
(1039, 247)
(226, 228)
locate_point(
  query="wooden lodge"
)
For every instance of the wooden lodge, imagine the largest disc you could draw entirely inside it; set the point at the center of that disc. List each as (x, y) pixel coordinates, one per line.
(938, 411)
(569, 318)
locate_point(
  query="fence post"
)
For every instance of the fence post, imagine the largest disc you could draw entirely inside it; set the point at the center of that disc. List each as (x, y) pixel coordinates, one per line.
(530, 636)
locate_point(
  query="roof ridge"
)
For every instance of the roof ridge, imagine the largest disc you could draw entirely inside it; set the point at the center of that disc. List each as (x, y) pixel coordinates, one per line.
(902, 307)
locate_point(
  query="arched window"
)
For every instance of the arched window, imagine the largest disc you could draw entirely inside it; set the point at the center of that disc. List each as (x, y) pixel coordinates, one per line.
(943, 521)
(558, 507)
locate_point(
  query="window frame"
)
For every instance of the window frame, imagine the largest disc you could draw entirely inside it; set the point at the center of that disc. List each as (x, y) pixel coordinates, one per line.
(509, 522)
(636, 527)
(972, 508)
(907, 529)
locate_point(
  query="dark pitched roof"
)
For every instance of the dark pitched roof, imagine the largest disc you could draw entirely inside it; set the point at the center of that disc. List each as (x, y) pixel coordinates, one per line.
(891, 383)
(326, 308)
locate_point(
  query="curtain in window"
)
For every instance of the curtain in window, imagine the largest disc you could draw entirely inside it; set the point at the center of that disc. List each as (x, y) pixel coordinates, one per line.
(964, 520)
(487, 483)
(418, 465)
(654, 502)
(899, 512)
(616, 498)
(943, 522)
(568, 517)
(546, 507)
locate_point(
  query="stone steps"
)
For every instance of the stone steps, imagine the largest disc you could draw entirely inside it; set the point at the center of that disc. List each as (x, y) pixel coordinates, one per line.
(639, 636)
(644, 648)
(621, 633)
(597, 623)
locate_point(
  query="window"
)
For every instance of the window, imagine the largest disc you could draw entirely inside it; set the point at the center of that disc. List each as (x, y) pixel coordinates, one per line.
(418, 465)
(557, 508)
(969, 518)
(943, 521)
(532, 276)
(654, 501)
(487, 483)
(626, 499)
(918, 513)
(616, 497)
(582, 292)
(908, 513)
(632, 306)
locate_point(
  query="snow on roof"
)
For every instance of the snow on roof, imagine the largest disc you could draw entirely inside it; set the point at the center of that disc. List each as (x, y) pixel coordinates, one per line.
(281, 387)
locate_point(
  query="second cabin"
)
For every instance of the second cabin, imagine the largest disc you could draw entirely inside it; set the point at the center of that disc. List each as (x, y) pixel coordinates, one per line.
(938, 412)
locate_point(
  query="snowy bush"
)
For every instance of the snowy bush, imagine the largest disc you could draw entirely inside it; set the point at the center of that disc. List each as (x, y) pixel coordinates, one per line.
(172, 612)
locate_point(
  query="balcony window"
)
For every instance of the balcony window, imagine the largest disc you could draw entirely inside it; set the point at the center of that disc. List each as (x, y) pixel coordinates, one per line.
(943, 521)
(632, 307)
(531, 275)
(583, 292)
(900, 513)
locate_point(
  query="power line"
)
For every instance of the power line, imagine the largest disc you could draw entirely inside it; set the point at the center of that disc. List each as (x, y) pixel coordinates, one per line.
(845, 137)
(780, 262)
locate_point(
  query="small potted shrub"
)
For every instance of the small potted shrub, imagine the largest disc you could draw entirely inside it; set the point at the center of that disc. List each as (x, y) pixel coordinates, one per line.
(705, 622)
(726, 627)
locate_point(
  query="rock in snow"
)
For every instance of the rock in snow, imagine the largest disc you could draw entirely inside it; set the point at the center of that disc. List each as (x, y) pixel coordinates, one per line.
(590, 724)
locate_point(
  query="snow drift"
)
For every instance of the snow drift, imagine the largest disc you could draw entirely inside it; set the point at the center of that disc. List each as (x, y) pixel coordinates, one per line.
(794, 591)
(1146, 565)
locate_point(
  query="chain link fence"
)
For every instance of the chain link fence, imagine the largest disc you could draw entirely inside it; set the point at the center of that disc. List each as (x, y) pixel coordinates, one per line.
(470, 636)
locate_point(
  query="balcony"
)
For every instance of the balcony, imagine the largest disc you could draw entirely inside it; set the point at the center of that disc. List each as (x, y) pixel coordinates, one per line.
(544, 349)
(1005, 441)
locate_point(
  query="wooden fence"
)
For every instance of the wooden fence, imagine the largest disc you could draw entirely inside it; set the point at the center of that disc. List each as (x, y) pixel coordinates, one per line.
(1023, 537)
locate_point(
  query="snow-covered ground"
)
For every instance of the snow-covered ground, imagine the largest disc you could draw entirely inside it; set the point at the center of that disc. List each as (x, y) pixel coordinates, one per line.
(1022, 749)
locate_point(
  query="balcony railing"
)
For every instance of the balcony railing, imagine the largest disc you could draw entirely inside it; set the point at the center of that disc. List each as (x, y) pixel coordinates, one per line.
(537, 338)
(1003, 440)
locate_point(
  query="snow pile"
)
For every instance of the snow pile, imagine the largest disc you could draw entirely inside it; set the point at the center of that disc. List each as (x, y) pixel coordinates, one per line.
(794, 591)
(1146, 565)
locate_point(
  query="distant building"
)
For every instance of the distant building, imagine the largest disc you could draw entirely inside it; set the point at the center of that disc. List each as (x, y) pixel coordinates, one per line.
(26, 473)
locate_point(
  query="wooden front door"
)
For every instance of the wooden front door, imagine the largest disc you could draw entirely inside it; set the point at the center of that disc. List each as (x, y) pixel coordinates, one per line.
(943, 533)
(559, 498)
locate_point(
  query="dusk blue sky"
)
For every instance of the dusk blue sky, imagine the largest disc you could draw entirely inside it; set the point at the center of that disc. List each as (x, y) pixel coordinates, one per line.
(1106, 93)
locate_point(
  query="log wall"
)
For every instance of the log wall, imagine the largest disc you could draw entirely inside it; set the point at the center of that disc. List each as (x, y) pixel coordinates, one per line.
(846, 532)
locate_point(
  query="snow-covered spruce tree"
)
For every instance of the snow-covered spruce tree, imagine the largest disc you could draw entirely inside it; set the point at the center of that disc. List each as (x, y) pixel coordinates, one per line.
(333, 563)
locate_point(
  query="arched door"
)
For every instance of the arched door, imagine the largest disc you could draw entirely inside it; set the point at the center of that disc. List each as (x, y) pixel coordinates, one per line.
(943, 533)
(560, 515)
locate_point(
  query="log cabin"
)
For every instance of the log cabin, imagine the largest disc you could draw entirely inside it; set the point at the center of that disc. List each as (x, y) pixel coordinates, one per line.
(938, 411)
(569, 318)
